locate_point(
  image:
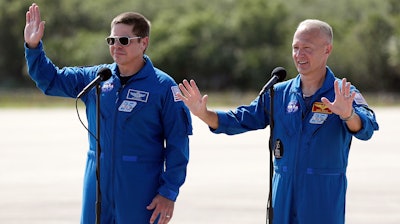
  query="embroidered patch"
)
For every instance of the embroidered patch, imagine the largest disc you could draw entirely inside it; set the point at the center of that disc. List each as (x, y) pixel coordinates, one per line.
(359, 99)
(107, 87)
(137, 95)
(175, 91)
(319, 107)
(292, 107)
(127, 106)
(318, 118)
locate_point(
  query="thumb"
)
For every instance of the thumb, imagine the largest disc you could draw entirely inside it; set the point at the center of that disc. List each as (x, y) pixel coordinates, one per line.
(151, 206)
(325, 101)
(41, 26)
(204, 99)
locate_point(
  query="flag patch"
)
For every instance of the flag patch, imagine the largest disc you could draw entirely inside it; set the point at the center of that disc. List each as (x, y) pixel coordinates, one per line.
(175, 91)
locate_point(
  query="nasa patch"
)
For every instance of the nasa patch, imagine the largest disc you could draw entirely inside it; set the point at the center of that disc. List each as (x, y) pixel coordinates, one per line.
(107, 87)
(292, 107)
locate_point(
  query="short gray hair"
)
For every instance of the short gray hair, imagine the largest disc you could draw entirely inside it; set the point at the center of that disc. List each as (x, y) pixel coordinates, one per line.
(324, 27)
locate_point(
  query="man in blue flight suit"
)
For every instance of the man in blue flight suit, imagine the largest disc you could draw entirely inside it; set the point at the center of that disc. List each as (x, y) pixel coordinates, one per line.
(144, 125)
(315, 117)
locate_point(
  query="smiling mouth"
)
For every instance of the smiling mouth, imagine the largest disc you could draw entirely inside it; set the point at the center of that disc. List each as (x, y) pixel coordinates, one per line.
(302, 62)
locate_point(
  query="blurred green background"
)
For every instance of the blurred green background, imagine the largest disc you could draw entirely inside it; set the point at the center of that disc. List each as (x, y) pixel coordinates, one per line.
(229, 46)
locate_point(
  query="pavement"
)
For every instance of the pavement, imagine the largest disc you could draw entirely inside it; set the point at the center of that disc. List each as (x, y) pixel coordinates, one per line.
(43, 152)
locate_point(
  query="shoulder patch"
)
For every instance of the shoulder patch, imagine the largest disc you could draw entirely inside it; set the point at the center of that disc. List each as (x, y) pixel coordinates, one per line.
(359, 99)
(175, 90)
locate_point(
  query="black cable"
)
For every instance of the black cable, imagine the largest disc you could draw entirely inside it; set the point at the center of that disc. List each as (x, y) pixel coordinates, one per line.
(79, 117)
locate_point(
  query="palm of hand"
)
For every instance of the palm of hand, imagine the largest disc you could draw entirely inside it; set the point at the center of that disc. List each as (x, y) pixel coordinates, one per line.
(34, 27)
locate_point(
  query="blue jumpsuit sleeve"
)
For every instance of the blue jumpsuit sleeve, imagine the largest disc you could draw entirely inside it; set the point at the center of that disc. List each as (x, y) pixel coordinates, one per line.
(244, 118)
(368, 120)
(53, 81)
(367, 116)
(177, 128)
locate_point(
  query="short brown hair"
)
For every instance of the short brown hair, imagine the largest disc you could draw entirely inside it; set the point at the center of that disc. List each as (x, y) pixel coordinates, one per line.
(141, 25)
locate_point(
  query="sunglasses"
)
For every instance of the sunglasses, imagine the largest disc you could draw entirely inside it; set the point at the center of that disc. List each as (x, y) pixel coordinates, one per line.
(122, 40)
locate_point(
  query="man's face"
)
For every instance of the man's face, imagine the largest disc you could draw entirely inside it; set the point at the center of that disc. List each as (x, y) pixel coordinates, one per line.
(126, 54)
(310, 51)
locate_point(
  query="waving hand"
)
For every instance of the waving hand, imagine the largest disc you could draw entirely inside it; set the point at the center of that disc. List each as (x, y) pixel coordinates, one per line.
(197, 103)
(34, 27)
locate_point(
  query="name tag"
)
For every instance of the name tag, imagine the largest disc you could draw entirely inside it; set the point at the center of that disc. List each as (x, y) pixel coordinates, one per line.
(318, 118)
(127, 106)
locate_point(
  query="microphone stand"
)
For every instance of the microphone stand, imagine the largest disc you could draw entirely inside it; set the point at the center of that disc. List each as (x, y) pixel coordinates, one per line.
(98, 153)
(102, 75)
(270, 210)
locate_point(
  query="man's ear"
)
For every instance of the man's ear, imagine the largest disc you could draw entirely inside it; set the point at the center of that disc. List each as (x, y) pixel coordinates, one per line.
(144, 43)
(328, 49)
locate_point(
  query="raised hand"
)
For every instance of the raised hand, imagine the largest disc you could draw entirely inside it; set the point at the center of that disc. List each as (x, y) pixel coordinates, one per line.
(343, 103)
(192, 97)
(197, 103)
(34, 27)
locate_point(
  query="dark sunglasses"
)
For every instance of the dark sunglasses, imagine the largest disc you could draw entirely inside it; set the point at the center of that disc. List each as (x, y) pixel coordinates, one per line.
(122, 40)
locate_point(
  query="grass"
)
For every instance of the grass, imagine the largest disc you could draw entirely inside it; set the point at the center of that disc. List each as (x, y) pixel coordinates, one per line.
(33, 98)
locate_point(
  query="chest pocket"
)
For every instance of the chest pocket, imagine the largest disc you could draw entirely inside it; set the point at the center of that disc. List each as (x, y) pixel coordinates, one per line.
(288, 118)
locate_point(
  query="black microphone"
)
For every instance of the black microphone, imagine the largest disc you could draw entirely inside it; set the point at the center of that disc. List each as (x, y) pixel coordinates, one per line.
(278, 75)
(103, 75)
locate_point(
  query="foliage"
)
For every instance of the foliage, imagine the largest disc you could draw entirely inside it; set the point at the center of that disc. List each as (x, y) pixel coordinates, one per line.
(223, 44)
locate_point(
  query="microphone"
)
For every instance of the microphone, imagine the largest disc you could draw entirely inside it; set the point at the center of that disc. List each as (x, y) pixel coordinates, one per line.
(103, 75)
(278, 75)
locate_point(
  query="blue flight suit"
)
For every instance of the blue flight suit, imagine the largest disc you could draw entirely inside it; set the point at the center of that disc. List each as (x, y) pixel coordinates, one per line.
(309, 183)
(143, 137)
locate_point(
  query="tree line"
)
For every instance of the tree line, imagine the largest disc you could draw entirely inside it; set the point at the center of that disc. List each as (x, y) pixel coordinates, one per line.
(223, 44)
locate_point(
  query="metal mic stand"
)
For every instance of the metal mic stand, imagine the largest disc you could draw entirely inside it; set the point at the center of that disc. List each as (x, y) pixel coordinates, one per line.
(98, 153)
(270, 210)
